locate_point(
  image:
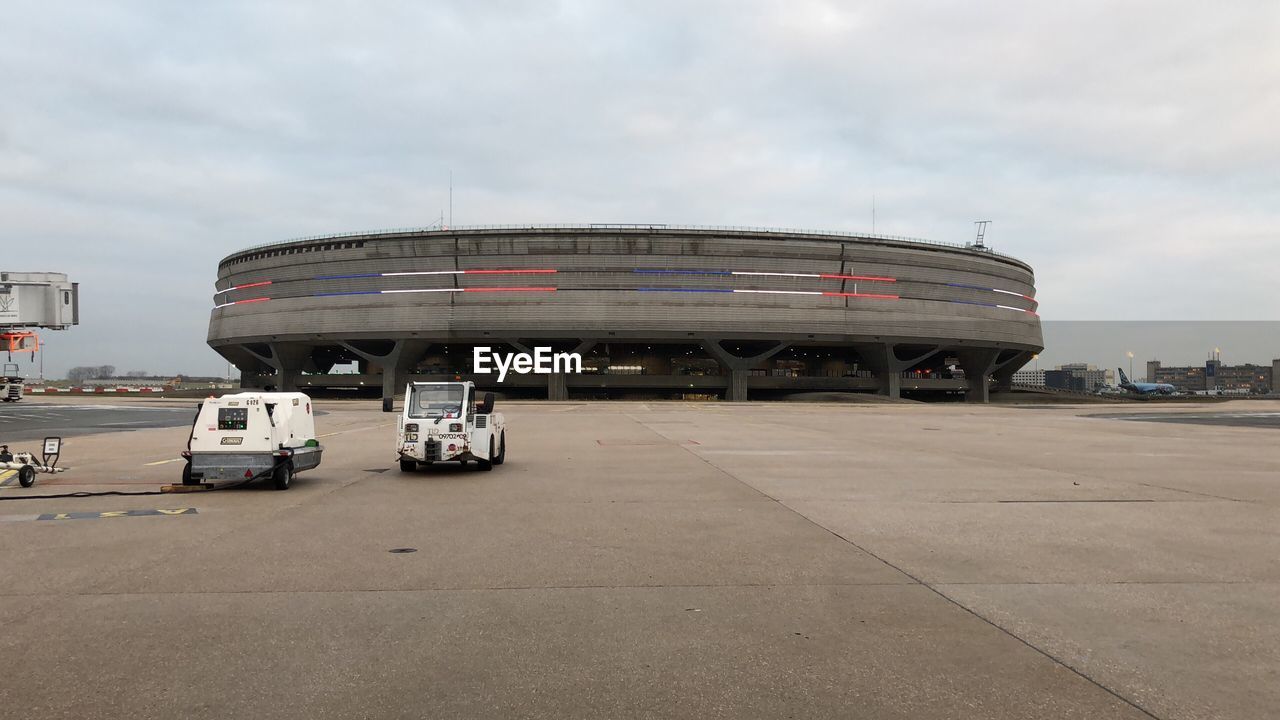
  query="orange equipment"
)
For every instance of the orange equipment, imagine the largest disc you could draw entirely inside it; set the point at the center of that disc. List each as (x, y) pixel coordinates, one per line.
(12, 342)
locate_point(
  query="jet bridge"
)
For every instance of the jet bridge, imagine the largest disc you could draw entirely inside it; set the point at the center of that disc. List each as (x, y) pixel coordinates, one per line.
(31, 301)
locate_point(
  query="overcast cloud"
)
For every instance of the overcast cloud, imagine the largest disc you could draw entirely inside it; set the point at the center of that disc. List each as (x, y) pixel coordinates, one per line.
(1127, 150)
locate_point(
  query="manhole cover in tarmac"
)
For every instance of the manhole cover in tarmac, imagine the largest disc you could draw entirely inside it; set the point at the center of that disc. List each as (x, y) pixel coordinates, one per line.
(403, 550)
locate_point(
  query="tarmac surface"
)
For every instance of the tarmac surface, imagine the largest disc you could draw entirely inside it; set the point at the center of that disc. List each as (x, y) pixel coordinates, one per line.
(32, 420)
(1241, 418)
(666, 560)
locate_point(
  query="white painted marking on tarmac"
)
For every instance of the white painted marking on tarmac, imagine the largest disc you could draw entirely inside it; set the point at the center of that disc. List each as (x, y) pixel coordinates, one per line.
(1202, 416)
(370, 427)
(163, 462)
(120, 408)
(776, 452)
(131, 422)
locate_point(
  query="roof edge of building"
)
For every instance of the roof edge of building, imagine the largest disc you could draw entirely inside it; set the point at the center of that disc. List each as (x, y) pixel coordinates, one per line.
(720, 231)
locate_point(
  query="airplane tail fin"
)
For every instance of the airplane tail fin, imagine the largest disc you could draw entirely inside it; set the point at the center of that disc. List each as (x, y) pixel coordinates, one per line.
(1123, 378)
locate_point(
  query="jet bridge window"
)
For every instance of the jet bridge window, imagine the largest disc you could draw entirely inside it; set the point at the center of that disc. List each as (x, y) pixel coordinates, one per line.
(233, 418)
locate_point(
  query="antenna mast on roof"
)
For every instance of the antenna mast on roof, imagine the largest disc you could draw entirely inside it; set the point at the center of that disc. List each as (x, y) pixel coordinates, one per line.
(982, 234)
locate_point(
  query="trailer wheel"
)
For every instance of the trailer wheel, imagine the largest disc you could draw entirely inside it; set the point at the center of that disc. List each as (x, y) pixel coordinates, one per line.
(26, 476)
(408, 466)
(502, 450)
(282, 476)
(186, 475)
(486, 464)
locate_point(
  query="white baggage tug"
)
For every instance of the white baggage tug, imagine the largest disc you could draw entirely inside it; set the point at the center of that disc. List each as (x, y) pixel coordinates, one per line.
(251, 435)
(443, 422)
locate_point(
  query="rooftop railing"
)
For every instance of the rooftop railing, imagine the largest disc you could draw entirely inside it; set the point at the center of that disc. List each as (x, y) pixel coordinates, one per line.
(624, 226)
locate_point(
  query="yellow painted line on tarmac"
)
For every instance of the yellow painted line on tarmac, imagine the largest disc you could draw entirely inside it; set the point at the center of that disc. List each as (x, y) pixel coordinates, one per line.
(162, 462)
(7, 477)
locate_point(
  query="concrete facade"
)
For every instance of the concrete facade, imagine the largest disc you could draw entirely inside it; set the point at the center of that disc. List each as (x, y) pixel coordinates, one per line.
(1033, 378)
(839, 312)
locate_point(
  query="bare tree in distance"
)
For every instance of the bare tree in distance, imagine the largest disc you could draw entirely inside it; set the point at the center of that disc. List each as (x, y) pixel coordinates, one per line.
(76, 374)
(81, 372)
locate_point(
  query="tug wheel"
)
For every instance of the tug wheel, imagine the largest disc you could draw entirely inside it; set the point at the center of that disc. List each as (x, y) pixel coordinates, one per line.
(186, 475)
(26, 476)
(502, 450)
(408, 466)
(486, 464)
(282, 476)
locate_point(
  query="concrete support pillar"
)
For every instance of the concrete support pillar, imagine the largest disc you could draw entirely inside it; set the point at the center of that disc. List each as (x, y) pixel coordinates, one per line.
(977, 364)
(891, 383)
(738, 367)
(287, 360)
(1003, 373)
(557, 383)
(403, 355)
(390, 381)
(1004, 382)
(882, 360)
(557, 387)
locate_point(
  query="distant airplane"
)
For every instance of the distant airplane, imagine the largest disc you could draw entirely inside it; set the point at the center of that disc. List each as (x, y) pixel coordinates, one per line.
(1145, 388)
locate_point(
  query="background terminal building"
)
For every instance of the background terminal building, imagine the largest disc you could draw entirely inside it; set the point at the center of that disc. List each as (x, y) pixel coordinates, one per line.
(1076, 377)
(1215, 377)
(654, 310)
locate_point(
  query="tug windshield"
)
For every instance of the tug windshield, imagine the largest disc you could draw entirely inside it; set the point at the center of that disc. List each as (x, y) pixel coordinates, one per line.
(440, 401)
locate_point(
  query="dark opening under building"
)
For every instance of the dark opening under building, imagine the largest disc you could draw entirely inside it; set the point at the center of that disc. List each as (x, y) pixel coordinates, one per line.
(654, 310)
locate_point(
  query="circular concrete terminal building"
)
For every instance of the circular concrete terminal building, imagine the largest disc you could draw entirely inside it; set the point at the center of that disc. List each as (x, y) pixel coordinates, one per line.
(653, 311)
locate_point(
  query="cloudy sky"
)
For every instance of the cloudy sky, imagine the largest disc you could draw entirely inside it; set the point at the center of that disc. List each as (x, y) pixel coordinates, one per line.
(1128, 150)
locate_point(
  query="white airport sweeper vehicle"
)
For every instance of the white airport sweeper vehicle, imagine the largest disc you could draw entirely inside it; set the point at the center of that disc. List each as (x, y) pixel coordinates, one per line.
(250, 435)
(443, 422)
